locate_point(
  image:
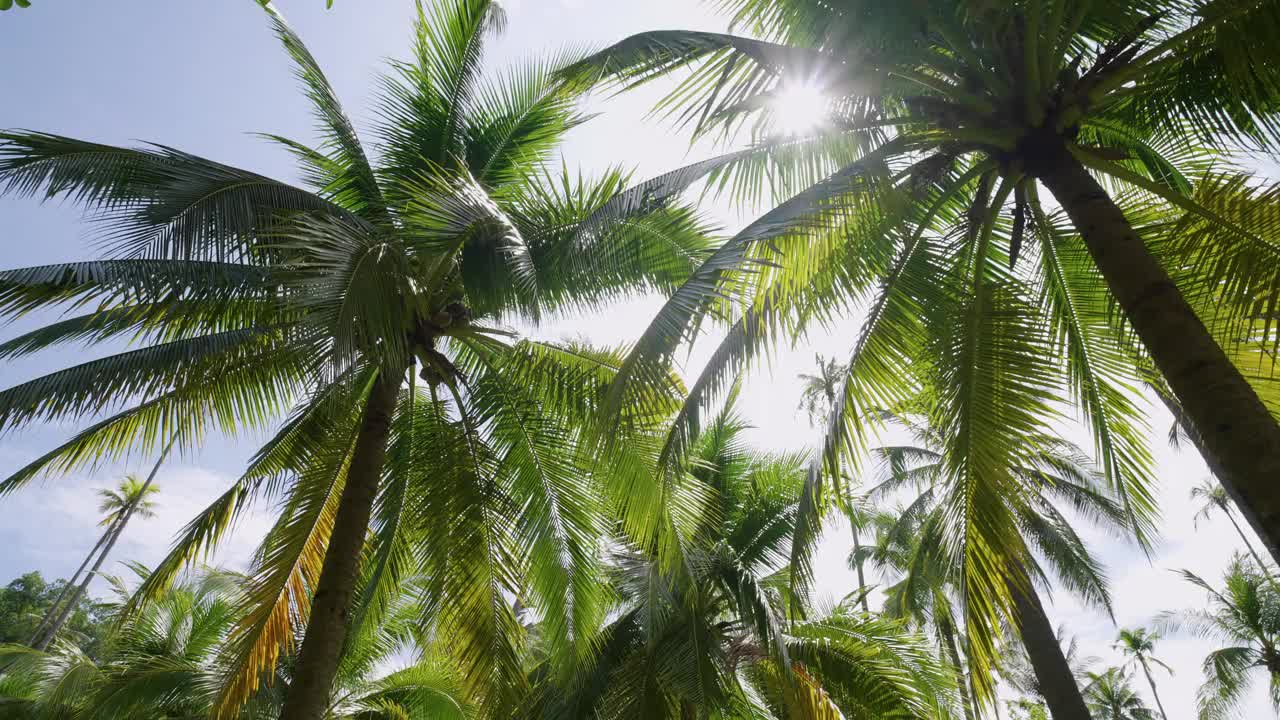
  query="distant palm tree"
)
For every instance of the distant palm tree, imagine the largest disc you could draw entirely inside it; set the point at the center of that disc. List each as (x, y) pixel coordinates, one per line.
(819, 392)
(1138, 644)
(1216, 499)
(1110, 697)
(131, 497)
(1245, 615)
(923, 599)
(1049, 481)
(254, 300)
(819, 398)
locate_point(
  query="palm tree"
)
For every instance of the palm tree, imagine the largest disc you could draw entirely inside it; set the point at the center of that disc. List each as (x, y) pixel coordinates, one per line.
(252, 296)
(819, 392)
(1245, 615)
(818, 399)
(1139, 644)
(922, 599)
(131, 497)
(922, 189)
(1048, 479)
(1111, 697)
(713, 638)
(1215, 499)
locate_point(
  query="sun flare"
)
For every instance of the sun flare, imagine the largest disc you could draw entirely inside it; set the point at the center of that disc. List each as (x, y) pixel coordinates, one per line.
(799, 108)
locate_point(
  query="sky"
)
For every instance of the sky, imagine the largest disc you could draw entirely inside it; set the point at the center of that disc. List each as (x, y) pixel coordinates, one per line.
(204, 76)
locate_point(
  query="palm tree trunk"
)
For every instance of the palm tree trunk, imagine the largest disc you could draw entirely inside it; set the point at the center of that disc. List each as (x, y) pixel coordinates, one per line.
(331, 605)
(1238, 431)
(1264, 567)
(52, 631)
(83, 588)
(38, 636)
(953, 653)
(862, 580)
(1152, 682)
(1053, 674)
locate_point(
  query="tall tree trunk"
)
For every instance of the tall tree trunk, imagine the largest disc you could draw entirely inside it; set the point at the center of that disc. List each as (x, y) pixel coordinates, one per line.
(125, 514)
(1053, 675)
(1264, 567)
(53, 613)
(862, 580)
(51, 632)
(1154, 693)
(1238, 431)
(962, 682)
(327, 627)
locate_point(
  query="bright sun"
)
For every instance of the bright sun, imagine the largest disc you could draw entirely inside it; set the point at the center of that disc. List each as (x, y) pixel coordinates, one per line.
(799, 108)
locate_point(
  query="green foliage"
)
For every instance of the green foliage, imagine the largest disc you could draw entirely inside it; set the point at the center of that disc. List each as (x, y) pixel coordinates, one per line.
(169, 660)
(1111, 697)
(1026, 710)
(27, 599)
(712, 637)
(9, 4)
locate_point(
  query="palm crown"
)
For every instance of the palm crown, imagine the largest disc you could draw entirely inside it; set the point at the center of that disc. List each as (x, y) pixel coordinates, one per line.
(132, 495)
(247, 297)
(1111, 697)
(1244, 616)
(930, 544)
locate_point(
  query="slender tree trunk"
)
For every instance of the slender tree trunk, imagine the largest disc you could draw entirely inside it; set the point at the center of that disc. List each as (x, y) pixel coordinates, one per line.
(962, 682)
(1154, 693)
(862, 580)
(1264, 567)
(53, 612)
(1238, 431)
(52, 631)
(1053, 675)
(83, 588)
(327, 627)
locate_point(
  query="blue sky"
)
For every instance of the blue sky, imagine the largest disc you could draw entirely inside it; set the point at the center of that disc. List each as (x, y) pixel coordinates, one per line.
(202, 76)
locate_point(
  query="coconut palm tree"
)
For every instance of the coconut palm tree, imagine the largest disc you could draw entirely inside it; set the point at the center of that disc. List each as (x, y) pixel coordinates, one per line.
(131, 497)
(818, 395)
(919, 190)
(818, 391)
(1111, 697)
(1215, 499)
(1052, 481)
(1244, 615)
(1138, 645)
(924, 601)
(251, 297)
(713, 639)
